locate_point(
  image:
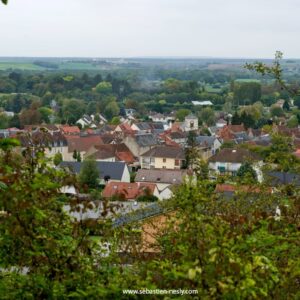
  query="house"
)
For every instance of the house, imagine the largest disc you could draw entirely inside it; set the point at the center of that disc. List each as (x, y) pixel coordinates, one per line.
(276, 178)
(69, 130)
(231, 132)
(208, 145)
(178, 137)
(81, 144)
(158, 127)
(280, 103)
(9, 114)
(86, 121)
(190, 123)
(111, 152)
(163, 178)
(102, 120)
(157, 118)
(124, 129)
(141, 127)
(53, 142)
(228, 161)
(163, 157)
(129, 112)
(51, 128)
(221, 123)
(107, 129)
(202, 103)
(129, 191)
(108, 171)
(140, 143)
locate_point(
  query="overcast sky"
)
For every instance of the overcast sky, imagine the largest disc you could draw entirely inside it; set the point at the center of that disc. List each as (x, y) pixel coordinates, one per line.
(130, 28)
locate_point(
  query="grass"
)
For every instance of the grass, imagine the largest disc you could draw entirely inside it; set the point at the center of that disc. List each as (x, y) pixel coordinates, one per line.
(28, 66)
(19, 66)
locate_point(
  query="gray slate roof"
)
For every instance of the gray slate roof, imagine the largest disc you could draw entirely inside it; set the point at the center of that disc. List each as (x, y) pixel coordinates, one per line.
(144, 140)
(278, 178)
(204, 140)
(106, 168)
(160, 176)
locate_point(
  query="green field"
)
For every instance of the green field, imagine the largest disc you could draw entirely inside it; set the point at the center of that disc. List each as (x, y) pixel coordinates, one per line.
(19, 66)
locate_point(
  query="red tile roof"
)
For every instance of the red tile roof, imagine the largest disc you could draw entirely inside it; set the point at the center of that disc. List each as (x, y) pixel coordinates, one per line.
(83, 144)
(127, 191)
(66, 129)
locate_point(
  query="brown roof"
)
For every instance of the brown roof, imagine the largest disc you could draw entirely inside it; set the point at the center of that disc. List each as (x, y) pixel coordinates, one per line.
(234, 156)
(236, 128)
(49, 127)
(83, 144)
(128, 190)
(66, 129)
(227, 132)
(221, 188)
(120, 151)
(165, 151)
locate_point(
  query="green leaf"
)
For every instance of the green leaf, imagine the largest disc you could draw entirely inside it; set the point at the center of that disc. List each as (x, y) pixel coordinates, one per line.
(3, 186)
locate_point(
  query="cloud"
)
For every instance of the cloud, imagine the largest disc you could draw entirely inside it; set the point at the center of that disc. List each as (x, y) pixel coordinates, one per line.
(98, 28)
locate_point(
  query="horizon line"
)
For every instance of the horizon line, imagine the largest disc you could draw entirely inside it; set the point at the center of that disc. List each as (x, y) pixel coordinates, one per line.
(149, 57)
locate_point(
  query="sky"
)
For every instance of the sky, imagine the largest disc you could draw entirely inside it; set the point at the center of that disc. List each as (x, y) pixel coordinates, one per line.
(150, 28)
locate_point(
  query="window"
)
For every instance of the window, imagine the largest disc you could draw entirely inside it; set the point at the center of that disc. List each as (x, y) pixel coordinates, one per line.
(192, 124)
(177, 162)
(164, 160)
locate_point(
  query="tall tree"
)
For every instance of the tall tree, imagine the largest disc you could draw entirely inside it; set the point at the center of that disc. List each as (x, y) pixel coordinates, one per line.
(89, 174)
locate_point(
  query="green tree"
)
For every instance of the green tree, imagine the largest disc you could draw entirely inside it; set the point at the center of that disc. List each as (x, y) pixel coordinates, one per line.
(4, 121)
(292, 122)
(72, 110)
(75, 154)
(115, 121)
(57, 159)
(112, 109)
(276, 111)
(89, 174)
(286, 105)
(246, 174)
(182, 113)
(104, 87)
(78, 157)
(45, 113)
(207, 115)
(36, 233)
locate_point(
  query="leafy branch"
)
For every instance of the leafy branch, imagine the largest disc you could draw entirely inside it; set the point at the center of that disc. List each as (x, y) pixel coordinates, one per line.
(4, 1)
(275, 70)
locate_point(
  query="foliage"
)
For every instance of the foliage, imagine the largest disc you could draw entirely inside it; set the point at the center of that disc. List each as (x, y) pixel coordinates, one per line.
(276, 111)
(246, 174)
(147, 198)
(182, 113)
(207, 115)
(112, 109)
(89, 174)
(57, 159)
(104, 87)
(44, 254)
(115, 121)
(246, 93)
(226, 249)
